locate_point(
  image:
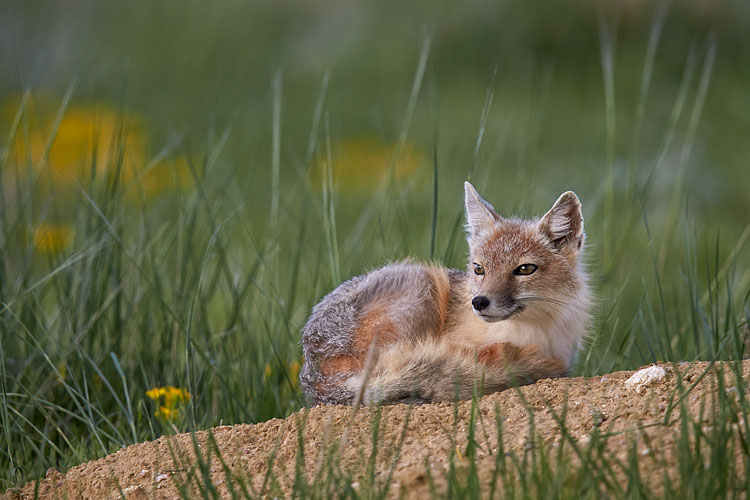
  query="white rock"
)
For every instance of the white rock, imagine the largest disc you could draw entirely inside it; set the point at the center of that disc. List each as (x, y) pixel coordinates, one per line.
(645, 377)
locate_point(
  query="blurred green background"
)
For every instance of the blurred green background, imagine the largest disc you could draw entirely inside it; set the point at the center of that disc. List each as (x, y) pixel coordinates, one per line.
(190, 69)
(183, 181)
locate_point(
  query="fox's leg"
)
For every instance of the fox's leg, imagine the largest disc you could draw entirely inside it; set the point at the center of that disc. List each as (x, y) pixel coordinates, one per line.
(398, 303)
(505, 364)
(439, 371)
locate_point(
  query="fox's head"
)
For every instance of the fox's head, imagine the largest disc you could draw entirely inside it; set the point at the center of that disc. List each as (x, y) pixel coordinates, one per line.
(521, 267)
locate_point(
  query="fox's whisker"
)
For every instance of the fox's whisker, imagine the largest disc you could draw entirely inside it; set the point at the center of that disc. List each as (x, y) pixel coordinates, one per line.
(541, 299)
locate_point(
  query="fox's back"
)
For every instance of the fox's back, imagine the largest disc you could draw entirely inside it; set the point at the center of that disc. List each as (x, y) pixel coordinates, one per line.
(399, 303)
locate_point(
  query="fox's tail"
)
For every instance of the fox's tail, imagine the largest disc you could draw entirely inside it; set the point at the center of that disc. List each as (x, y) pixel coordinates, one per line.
(438, 371)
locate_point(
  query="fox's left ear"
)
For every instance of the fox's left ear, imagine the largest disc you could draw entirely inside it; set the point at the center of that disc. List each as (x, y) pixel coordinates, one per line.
(563, 224)
(481, 218)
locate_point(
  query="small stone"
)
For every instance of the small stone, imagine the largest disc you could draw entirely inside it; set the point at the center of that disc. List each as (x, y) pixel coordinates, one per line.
(645, 377)
(597, 417)
(160, 478)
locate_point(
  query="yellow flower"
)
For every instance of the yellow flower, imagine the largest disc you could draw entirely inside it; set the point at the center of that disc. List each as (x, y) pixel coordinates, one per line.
(86, 133)
(294, 373)
(361, 163)
(96, 139)
(268, 370)
(174, 396)
(154, 393)
(164, 413)
(52, 238)
(170, 399)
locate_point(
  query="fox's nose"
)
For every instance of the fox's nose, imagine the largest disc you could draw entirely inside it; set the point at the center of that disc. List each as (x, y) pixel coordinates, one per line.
(480, 302)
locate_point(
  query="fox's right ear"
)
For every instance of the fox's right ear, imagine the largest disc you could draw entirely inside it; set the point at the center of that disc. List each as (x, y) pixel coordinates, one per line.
(481, 218)
(563, 224)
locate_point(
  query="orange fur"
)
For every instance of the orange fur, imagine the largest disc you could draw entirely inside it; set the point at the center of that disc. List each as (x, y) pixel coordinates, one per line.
(442, 294)
(341, 364)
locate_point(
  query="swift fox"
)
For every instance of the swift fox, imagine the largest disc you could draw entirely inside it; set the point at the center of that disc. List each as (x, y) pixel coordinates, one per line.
(418, 332)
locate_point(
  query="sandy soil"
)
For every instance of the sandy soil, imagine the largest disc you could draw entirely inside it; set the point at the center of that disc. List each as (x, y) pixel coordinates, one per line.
(157, 469)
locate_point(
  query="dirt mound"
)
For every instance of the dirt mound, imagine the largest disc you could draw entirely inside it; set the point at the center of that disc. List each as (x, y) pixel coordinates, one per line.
(611, 403)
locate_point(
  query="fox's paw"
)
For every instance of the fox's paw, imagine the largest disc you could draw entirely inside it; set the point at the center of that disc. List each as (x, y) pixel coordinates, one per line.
(379, 395)
(504, 352)
(527, 362)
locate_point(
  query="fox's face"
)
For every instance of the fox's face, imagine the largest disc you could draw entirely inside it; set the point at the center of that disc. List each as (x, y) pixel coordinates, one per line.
(520, 266)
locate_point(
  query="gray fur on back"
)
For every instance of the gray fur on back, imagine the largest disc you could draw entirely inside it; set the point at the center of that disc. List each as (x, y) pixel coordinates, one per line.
(328, 332)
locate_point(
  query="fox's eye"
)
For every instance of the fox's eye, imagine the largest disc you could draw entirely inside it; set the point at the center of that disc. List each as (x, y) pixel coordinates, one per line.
(525, 269)
(478, 270)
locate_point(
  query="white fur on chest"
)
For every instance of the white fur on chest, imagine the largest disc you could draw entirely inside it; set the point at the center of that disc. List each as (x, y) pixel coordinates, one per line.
(559, 337)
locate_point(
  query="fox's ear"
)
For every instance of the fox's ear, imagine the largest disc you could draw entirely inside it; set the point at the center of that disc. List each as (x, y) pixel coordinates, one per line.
(481, 218)
(563, 224)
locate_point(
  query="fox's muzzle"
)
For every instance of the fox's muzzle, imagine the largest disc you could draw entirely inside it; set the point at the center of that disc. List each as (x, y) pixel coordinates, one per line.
(491, 311)
(480, 302)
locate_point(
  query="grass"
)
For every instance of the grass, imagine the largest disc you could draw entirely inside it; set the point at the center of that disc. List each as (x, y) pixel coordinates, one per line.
(196, 264)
